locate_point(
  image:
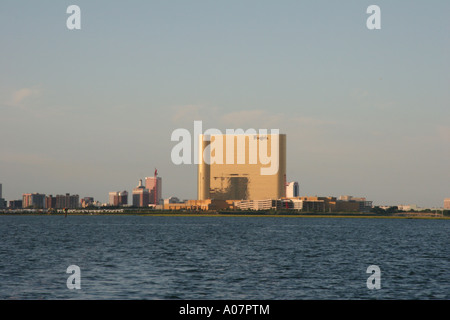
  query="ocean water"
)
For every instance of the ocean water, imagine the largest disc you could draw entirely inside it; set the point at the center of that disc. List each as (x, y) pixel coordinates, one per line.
(274, 258)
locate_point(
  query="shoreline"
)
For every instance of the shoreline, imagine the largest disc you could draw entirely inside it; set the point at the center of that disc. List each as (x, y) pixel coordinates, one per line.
(237, 214)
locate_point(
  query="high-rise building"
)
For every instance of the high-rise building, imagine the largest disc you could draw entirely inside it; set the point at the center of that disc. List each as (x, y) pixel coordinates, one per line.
(154, 186)
(117, 198)
(50, 202)
(33, 200)
(242, 167)
(67, 201)
(292, 190)
(114, 198)
(140, 196)
(447, 204)
(2, 201)
(123, 198)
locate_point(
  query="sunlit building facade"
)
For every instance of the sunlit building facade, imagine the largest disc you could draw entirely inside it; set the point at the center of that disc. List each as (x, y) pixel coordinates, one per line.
(242, 167)
(140, 196)
(292, 190)
(154, 186)
(447, 204)
(33, 200)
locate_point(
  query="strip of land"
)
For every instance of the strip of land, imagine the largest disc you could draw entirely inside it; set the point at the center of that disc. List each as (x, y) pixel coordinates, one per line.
(277, 214)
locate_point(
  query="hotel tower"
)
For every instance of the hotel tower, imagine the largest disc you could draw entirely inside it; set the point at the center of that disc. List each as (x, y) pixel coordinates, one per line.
(242, 166)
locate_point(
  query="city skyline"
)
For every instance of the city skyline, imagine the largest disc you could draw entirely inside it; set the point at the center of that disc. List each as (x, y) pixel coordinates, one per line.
(90, 111)
(120, 199)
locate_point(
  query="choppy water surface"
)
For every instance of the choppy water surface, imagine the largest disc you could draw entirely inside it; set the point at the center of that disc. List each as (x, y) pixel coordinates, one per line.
(145, 257)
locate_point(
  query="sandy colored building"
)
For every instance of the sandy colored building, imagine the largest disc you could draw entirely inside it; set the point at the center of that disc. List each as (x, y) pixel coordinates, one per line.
(329, 204)
(447, 204)
(242, 167)
(200, 205)
(117, 198)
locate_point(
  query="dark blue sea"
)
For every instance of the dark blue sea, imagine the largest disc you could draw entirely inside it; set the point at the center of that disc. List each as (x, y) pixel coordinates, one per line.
(276, 258)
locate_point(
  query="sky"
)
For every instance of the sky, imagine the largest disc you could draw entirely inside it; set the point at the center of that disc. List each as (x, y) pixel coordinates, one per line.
(89, 111)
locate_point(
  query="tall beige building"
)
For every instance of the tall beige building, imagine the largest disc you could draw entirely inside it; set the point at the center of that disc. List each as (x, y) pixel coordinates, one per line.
(242, 166)
(447, 204)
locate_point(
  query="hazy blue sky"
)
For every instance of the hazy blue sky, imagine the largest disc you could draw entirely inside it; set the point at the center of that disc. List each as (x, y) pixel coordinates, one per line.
(366, 112)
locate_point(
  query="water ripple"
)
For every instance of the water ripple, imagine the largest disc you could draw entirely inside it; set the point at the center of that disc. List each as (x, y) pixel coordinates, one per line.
(138, 257)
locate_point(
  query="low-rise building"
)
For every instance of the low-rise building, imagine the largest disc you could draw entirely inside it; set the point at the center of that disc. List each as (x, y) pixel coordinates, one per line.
(172, 200)
(200, 205)
(409, 207)
(266, 204)
(346, 203)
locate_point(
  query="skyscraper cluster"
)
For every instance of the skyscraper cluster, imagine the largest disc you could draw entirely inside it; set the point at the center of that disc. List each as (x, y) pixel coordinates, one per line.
(238, 176)
(147, 192)
(150, 194)
(144, 195)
